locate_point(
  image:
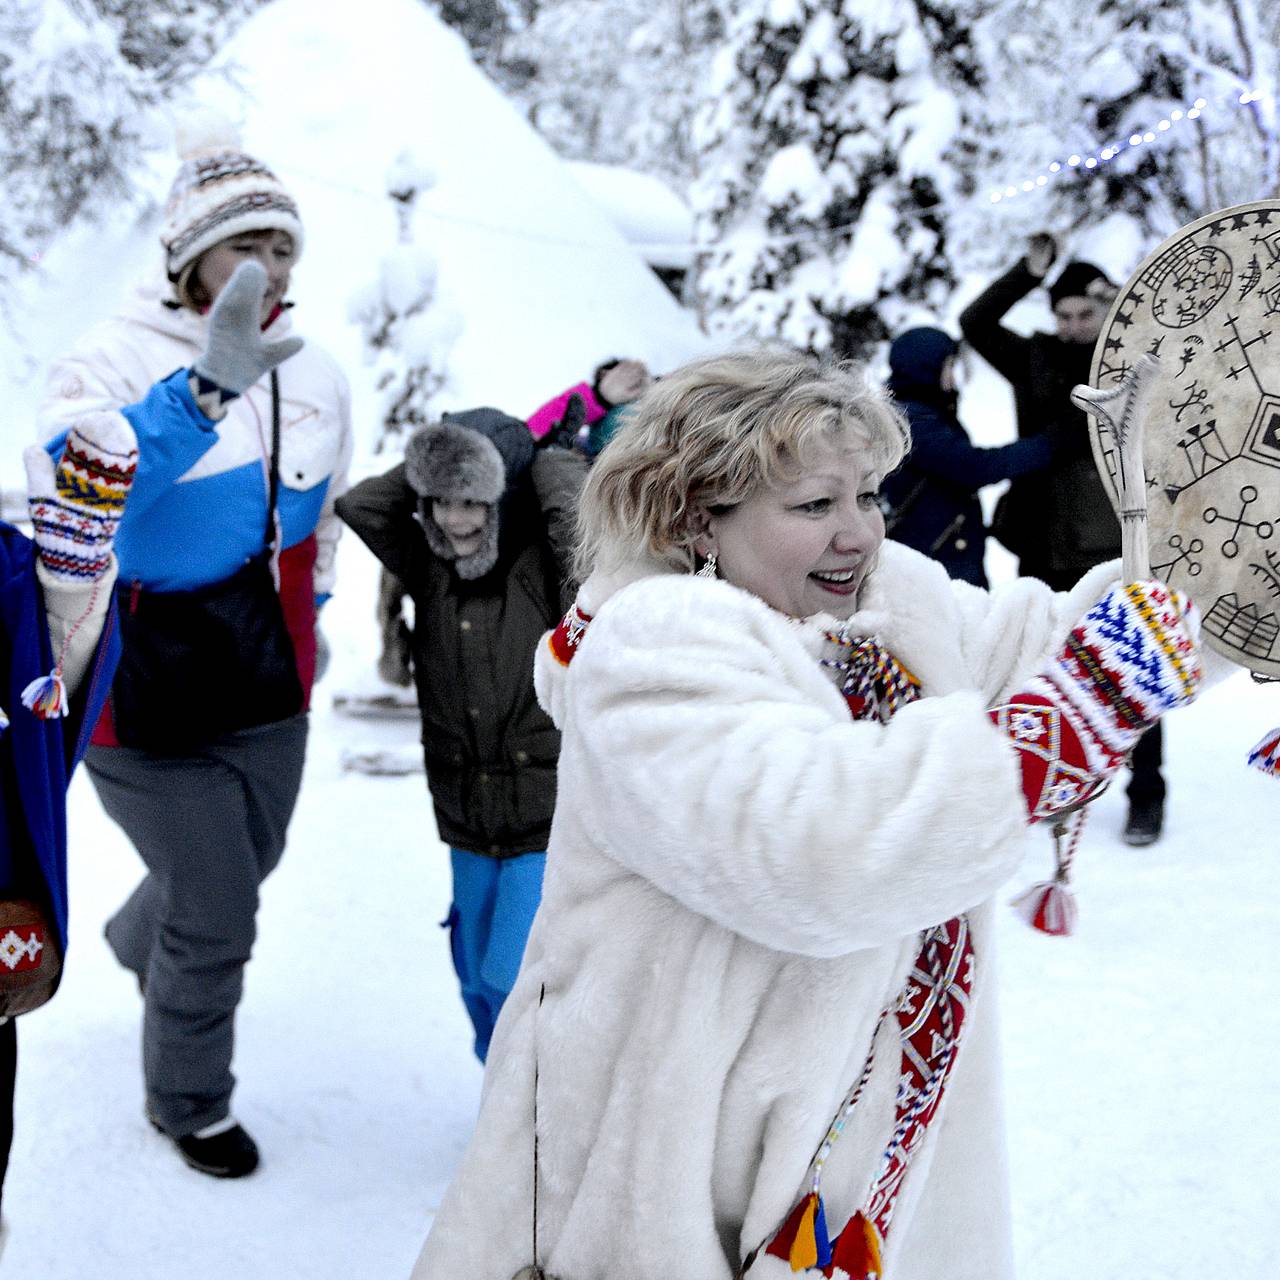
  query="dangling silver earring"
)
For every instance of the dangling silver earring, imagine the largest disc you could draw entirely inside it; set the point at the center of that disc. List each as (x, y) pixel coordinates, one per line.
(708, 569)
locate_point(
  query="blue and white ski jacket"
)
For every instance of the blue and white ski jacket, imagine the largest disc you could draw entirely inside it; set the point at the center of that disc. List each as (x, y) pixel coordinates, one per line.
(199, 504)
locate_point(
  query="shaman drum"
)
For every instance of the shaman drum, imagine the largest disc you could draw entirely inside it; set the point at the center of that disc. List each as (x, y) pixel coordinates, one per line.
(1207, 304)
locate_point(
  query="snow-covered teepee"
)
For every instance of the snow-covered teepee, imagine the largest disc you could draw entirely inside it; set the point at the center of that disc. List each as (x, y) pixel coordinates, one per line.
(543, 283)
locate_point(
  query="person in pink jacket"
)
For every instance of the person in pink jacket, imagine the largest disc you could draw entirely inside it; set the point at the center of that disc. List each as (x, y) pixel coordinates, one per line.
(615, 383)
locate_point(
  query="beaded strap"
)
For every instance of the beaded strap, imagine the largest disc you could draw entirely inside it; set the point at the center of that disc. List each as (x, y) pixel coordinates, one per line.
(930, 1013)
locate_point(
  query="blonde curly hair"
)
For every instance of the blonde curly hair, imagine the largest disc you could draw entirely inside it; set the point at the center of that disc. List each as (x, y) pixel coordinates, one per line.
(714, 431)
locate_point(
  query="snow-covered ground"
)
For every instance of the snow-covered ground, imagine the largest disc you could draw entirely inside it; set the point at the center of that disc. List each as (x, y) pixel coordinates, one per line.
(1142, 1108)
(1144, 1116)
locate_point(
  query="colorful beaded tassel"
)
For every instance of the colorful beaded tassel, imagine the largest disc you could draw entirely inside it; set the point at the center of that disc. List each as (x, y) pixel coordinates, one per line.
(46, 697)
(1051, 906)
(802, 1240)
(857, 1250)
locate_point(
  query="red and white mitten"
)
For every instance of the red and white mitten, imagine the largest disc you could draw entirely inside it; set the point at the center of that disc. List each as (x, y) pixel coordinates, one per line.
(1130, 659)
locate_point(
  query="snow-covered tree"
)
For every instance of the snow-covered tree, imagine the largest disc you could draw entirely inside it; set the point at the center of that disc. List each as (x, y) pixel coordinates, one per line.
(68, 120)
(1165, 57)
(612, 81)
(1116, 85)
(169, 39)
(486, 26)
(407, 335)
(77, 83)
(834, 150)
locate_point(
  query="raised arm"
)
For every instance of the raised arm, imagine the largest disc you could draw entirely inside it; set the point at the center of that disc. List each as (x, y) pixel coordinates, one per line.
(558, 476)
(945, 455)
(380, 513)
(542, 419)
(980, 322)
(723, 767)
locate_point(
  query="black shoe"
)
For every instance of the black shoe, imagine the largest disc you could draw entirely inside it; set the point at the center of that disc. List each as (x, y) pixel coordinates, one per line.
(1146, 822)
(229, 1154)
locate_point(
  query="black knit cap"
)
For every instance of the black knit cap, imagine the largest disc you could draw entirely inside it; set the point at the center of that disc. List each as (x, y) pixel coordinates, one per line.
(1074, 280)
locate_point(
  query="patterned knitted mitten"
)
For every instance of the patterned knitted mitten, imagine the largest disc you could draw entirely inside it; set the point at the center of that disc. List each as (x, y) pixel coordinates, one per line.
(76, 506)
(1130, 659)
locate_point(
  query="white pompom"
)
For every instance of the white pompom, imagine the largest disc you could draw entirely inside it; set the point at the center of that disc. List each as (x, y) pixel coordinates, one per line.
(203, 128)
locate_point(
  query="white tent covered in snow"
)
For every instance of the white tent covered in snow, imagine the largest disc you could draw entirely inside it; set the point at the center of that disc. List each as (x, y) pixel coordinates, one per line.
(543, 283)
(653, 219)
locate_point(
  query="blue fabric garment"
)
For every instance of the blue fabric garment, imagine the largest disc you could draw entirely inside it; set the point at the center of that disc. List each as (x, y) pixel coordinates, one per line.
(933, 496)
(494, 902)
(38, 756)
(205, 529)
(603, 431)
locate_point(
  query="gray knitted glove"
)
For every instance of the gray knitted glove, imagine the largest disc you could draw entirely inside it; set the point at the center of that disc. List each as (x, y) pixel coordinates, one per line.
(235, 355)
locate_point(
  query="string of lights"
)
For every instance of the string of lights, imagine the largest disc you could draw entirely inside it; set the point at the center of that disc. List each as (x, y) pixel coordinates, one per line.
(1077, 162)
(1085, 162)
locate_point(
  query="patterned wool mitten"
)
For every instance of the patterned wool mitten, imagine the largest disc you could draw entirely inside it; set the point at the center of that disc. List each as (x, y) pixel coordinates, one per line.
(1266, 755)
(75, 508)
(76, 505)
(1130, 659)
(235, 354)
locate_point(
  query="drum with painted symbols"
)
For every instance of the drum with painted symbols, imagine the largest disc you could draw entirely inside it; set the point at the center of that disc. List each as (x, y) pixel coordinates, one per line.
(1207, 303)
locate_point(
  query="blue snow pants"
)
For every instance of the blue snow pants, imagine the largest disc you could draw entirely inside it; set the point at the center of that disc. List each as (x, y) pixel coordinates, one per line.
(494, 902)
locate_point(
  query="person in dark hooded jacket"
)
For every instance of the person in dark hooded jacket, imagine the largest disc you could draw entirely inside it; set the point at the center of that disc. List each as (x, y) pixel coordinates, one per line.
(1061, 523)
(932, 498)
(476, 523)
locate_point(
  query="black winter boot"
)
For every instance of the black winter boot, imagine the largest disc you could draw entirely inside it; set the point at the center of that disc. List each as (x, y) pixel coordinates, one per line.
(227, 1153)
(1145, 823)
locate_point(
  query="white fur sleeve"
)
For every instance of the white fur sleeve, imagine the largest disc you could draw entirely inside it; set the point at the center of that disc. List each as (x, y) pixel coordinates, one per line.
(1008, 633)
(711, 755)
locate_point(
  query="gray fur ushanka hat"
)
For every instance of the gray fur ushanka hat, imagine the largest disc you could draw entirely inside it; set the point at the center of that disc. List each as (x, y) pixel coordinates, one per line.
(455, 463)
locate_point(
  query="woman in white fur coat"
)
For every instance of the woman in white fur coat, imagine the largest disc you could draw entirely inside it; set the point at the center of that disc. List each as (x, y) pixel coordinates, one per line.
(745, 882)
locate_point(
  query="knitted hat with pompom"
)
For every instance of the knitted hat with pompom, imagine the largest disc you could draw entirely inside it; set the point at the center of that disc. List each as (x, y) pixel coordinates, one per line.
(220, 191)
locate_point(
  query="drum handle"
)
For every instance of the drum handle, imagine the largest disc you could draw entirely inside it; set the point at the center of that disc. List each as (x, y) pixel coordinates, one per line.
(1121, 412)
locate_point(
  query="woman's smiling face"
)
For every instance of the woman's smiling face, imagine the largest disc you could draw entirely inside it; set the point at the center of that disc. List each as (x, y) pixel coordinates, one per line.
(803, 546)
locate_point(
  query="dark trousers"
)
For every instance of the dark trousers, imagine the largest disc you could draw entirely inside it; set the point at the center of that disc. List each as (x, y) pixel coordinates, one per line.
(210, 828)
(1146, 783)
(8, 1079)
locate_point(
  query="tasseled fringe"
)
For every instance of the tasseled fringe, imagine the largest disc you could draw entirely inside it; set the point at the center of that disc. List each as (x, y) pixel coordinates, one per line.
(1049, 907)
(46, 698)
(802, 1240)
(857, 1250)
(1266, 755)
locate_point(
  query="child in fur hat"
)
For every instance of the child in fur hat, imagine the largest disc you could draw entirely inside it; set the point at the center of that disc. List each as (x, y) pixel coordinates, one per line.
(476, 524)
(584, 416)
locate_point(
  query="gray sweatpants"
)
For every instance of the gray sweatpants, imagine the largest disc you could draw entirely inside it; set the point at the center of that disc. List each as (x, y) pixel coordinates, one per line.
(210, 827)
